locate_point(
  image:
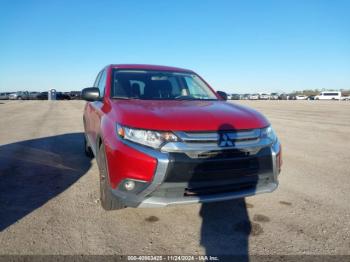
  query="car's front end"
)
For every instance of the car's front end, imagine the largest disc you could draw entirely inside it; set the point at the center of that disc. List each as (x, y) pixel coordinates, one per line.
(274, 96)
(192, 167)
(301, 97)
(13, 96)
(264, 97)
(254, 97)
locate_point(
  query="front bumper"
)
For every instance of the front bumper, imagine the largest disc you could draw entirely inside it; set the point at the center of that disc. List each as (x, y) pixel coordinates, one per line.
(181, 179)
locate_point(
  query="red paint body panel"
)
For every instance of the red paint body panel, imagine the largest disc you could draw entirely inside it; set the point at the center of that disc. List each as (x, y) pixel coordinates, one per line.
(185, 115)
(126, 162)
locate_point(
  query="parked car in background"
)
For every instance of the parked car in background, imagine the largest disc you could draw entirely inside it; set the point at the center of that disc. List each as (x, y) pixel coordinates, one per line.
(75, 95)
(300, 97)
(283, 96)
(245, 96)
(154, 147)
(311, 98)
(235, 96)
(328, 95)
(347, 98)
(62, 96)
(42, 96)
(264, 96)
(33, 95)
(254, 97)
(274, 96)
(20, 95)
(4, 96)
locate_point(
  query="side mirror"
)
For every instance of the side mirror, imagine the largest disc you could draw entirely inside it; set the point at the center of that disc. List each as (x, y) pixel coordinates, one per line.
(222, 94)
(90, 94)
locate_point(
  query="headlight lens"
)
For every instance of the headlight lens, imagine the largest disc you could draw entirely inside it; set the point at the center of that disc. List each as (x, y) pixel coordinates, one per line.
(269, 133)
(154, 139)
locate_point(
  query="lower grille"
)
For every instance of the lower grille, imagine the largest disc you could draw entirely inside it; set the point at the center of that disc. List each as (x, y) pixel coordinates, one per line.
(218, 189)
(223, 167)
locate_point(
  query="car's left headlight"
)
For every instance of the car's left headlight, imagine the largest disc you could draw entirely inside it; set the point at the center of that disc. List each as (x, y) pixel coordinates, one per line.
(269, 133)
(151, 138)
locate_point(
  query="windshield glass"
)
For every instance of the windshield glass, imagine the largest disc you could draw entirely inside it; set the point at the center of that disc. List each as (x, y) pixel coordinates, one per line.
(159, 85)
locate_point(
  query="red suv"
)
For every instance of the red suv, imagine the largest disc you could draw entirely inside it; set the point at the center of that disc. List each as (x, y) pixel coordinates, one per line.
(162, 136)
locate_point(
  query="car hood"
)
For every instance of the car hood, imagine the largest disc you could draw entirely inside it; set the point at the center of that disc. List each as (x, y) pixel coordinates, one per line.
(185, 115)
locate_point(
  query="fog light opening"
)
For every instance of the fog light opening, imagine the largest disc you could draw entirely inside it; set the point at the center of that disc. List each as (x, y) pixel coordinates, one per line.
(129, 185)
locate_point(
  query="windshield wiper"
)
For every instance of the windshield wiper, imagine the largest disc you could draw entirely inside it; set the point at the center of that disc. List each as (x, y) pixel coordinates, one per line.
(193, 98)
(124, 97)
(185, 98)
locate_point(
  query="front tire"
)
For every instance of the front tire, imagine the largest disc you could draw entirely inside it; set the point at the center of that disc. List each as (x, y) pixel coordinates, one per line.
(108, 200)
(87, 149)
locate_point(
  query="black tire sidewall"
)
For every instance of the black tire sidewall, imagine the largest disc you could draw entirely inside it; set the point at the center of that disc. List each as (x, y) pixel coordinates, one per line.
(87, 148)
(103, 174)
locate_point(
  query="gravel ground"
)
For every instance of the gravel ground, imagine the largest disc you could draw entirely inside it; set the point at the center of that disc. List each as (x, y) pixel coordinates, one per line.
(49, 191)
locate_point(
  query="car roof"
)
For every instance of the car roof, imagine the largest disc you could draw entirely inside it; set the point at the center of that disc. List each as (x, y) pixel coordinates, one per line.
(149, 67)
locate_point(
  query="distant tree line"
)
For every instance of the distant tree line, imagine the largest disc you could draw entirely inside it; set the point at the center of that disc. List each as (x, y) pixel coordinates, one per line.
(310, 92)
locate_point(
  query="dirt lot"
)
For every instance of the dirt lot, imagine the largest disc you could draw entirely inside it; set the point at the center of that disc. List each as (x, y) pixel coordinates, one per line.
(49, 191)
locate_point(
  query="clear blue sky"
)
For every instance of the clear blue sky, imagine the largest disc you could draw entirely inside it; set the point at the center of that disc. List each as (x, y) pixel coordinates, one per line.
(237, 46)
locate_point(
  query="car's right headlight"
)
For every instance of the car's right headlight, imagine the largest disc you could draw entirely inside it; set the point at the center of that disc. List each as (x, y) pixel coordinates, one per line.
(269, 133)
(151, 138)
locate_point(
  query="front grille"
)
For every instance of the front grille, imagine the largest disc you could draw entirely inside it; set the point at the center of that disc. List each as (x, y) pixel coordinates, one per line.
(221, 169)
(200, 145)
(232, 135)
(223, 154)
(217, 162)
(225, 166)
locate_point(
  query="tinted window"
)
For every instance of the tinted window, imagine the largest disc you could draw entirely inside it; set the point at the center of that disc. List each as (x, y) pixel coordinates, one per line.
(194, 87)
(159, 85)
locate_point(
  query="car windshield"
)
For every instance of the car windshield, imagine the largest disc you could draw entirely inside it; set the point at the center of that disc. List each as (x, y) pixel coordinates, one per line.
(159, 85)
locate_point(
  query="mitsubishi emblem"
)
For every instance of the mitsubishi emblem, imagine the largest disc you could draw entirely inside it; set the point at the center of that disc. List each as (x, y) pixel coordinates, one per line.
(225, 141)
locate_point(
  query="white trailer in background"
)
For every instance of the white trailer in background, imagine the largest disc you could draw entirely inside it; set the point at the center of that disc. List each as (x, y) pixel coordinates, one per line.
(329, 95)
